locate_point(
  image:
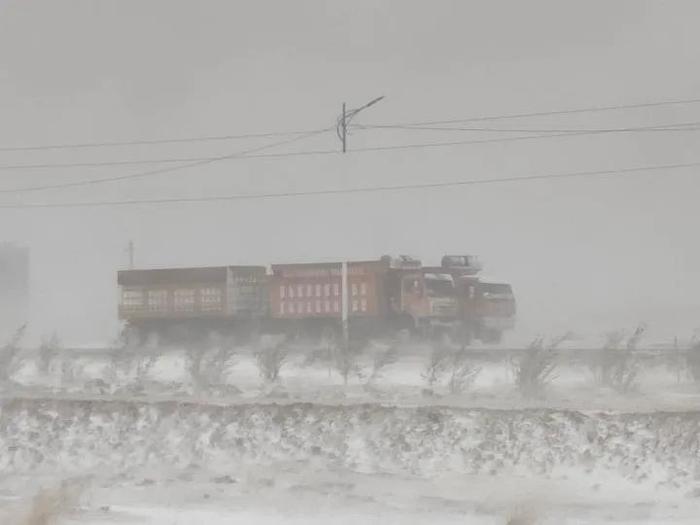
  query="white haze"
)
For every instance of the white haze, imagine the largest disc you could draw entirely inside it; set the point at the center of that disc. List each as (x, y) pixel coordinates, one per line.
(586, 255)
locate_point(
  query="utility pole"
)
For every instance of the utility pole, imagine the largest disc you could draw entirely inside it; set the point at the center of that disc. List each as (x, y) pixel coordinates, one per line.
(130, 249)
(342, 131)
(345, 118)
(345, 305)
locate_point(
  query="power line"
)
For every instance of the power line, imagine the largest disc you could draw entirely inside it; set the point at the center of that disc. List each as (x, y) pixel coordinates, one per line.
(86, 145)
(206, 138)
(200, 162)
(365, 189)
(247, 154)
(101, 164)
(544, 133)
(683, 126)
(428, 145)
(589, 109)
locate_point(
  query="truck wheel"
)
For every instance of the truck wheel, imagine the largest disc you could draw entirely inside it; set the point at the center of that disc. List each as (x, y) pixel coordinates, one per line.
(491, 337)
(403, 336)
(463, 335)
(330, 335)
(437, 334)
(132, 337)
(404, 328)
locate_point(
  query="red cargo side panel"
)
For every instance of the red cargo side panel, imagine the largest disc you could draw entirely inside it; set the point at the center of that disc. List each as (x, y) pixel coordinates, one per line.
(314, 290)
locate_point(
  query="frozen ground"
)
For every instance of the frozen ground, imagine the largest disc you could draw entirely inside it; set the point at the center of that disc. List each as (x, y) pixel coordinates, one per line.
(139, 462)
(300, 497)
(323, 501)
(143, 441)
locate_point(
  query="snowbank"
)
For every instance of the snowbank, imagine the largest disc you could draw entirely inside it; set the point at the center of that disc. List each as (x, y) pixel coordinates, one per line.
(659, 449)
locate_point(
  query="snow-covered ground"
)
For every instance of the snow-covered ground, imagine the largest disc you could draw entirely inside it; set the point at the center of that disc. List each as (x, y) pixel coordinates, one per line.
(138, 439)
(169, 462)
(302, 497)
(344, 498)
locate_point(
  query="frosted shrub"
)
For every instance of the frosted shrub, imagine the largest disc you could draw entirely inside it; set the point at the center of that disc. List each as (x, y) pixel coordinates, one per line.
(9, 353)
(624, 375)
(534, 370)
(207, 367)
(47, 351)
(220, 362)
(382, 358)
(144, 364)
(463, 372)
(321, 355)
(609, 356)
(347, 360)
(453, 363)
(618, 367)
(194, 362)
(435, 367)
(120, 362)
(269, 359)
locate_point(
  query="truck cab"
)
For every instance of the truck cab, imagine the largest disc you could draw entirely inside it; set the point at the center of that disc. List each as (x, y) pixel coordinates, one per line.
(495, 310)
(429, 297)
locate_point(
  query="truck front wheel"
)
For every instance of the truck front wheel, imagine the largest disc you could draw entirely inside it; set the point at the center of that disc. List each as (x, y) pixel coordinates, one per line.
(491, 336)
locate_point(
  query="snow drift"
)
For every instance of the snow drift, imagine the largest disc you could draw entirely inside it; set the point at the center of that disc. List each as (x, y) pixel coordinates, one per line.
(78, 436)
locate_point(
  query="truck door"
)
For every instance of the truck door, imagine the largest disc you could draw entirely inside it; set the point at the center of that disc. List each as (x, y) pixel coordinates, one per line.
(468, 300)
(413, 299)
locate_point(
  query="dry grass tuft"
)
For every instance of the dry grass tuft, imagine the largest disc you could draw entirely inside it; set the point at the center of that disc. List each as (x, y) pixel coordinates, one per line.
(49, 505)
(269, 358)
(536, 367)
(618, 367)
(523, 515)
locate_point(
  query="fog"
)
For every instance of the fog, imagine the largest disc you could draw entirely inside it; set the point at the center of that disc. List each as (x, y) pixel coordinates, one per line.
(612, 250)
(476, 95)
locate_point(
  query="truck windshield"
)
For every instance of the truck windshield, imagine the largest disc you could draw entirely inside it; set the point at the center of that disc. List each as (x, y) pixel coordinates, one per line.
(496, 288)
(439, 286)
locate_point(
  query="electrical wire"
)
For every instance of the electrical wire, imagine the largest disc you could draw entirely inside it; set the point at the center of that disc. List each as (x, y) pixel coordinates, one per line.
(101, 164)
(360, 190)
(428, 145)
(683, 126)
(132, 176)
(544, 133)
(303, 132)
(248, 154)
(589, 109)
(86, 145)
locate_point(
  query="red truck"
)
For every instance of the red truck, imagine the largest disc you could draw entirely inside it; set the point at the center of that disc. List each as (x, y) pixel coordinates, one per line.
(190, 303)
(382, 296)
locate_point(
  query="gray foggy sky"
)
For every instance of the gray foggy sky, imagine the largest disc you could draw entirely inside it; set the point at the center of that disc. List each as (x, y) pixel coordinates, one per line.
(589, 254)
